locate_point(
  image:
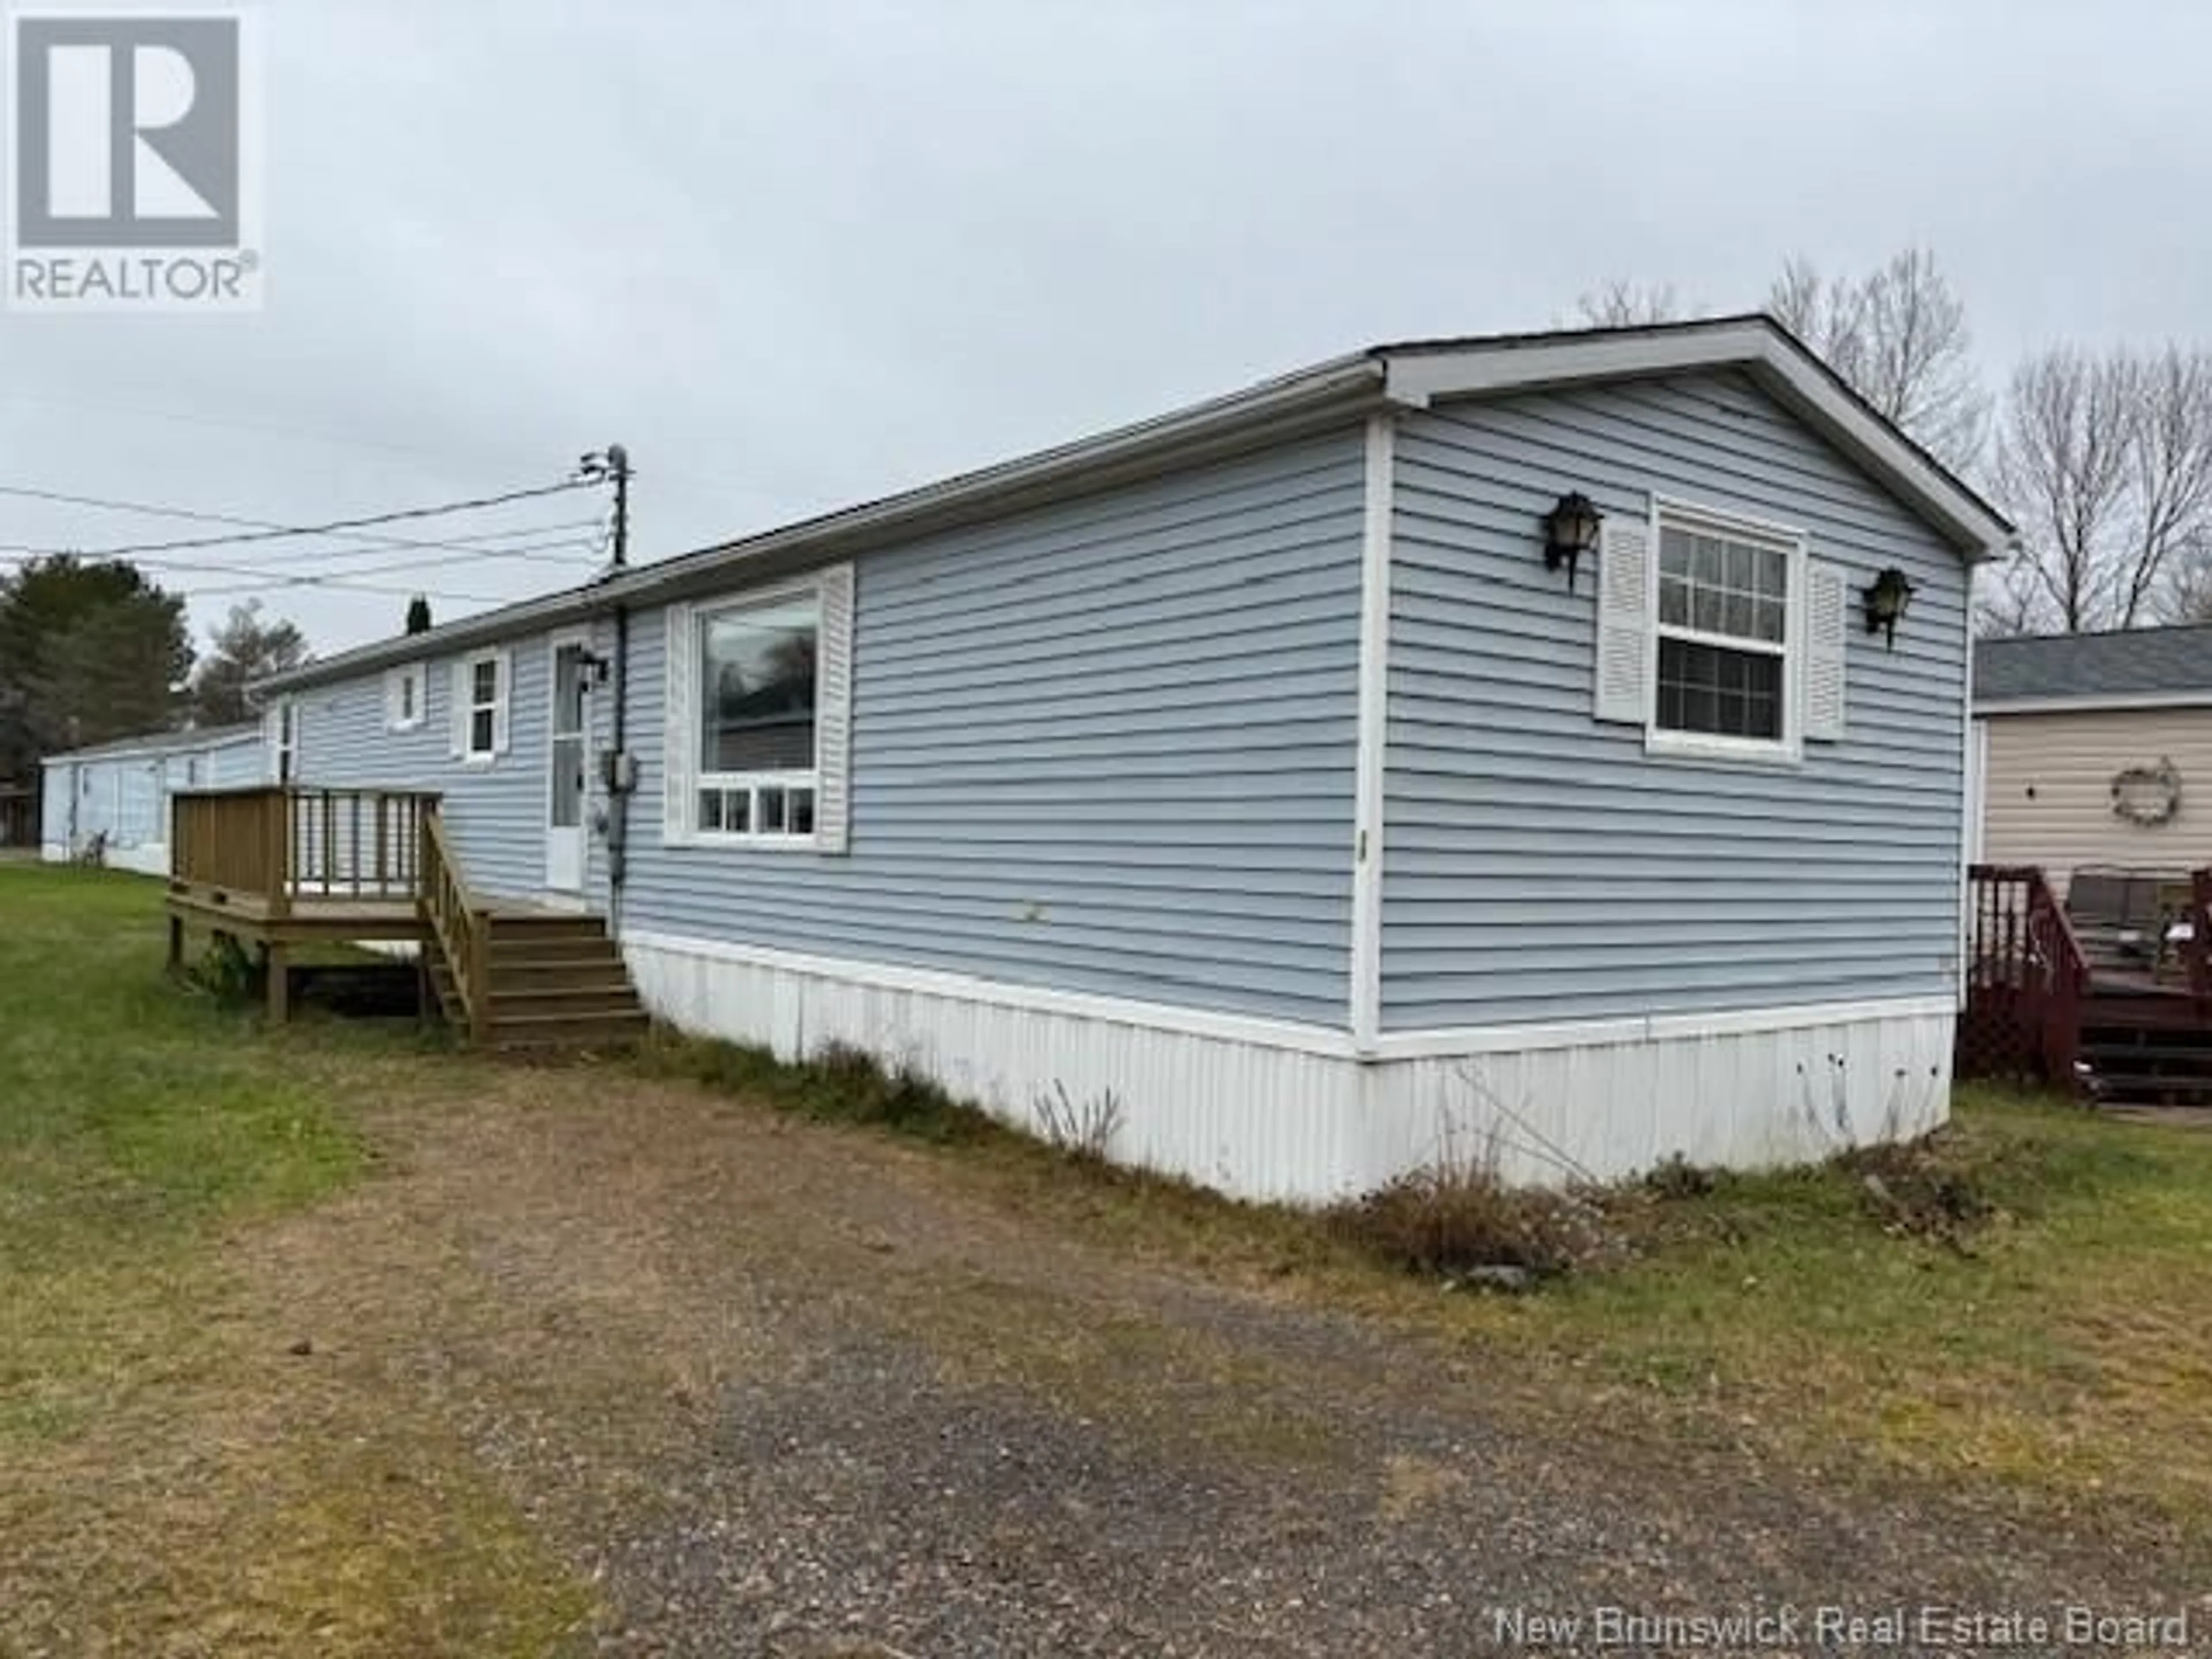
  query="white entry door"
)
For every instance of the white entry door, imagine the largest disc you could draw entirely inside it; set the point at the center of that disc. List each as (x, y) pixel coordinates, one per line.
(565, 762)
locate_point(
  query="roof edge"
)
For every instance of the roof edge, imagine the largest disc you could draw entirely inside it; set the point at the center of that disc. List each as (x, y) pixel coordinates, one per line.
(1409, 373)
(2091, 702)
(1290, 403)
(158, 742)
(1419, 372)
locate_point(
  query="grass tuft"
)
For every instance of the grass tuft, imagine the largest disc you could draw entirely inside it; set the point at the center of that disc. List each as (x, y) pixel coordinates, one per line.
(839, 1083)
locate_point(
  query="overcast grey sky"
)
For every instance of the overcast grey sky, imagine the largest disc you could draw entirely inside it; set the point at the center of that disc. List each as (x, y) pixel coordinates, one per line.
(794, 255)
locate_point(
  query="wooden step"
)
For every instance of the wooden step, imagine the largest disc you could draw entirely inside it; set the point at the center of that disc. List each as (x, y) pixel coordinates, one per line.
(2133, 1056)
(528, 975)
(511, 925)
(534, 947)
(2136, 1088)
(568, 998)
(567, 1030)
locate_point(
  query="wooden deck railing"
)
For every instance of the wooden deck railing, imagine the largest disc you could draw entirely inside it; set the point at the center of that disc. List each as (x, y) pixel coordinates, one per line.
(2196, 949)
(462, 926)
(2027, 977)
(281, 845)
(2058, 980)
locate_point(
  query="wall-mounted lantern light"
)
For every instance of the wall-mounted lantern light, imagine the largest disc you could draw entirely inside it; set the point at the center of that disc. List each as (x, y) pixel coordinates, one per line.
(1886, 597)
(594, 669)
(1571, 530)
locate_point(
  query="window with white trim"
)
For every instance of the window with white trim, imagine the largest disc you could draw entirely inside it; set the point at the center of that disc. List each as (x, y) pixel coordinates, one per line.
(757, 757)
(404, 697)
(1723, 628)
(284, 741)
(1719, 635)
(487, 694)
(757, 741)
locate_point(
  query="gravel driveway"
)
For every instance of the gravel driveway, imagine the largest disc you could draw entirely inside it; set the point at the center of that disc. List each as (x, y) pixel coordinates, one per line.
(782, 1390)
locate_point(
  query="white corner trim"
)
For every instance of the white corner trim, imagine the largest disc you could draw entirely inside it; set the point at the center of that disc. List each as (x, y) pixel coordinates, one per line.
(1973, 799)
(1080, 1005)
(1651, 1028)
(1372, 774)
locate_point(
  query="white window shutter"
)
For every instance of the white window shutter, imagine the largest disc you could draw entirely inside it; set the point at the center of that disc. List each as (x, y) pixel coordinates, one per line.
(272, 740)
(1624, 622)
(1827, 632)
(833, 714)
(679, 737)
(458, 708)
(502, 707)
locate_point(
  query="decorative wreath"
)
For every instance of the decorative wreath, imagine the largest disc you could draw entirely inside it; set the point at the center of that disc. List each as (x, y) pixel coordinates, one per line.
(2148, 795)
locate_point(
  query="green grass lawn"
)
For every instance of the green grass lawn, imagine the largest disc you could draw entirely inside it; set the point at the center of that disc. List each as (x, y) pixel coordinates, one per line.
(157, 1455)
(139, 1123)
(2057, 1344)
(2062, 1345)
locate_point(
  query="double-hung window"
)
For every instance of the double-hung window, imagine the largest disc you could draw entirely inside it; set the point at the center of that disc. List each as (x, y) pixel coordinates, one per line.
(756, 728)
(1723, 635)
(283, 729)
(483, 708)
(482, 692)
(1719, 636)
(402, 697)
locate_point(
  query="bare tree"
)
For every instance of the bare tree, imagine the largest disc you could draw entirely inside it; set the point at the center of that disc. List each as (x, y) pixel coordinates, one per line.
(2106, 464)
(1622, 303)
(1898, 334)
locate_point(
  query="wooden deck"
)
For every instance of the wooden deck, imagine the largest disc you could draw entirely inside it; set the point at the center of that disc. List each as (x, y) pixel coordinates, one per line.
(2051, 998)
(280, 869)
(274, 868)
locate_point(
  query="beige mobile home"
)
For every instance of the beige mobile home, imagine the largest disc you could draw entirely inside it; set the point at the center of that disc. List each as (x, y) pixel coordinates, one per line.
(2094, 750)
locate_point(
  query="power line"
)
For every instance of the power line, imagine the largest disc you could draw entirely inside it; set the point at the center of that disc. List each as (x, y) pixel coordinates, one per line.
(341, 583)
(198, 516)
(277, 577)
(460, 550)
(290, 532)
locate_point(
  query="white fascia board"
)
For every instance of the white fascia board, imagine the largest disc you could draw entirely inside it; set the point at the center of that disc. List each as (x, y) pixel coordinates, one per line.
(2094, 703)
(1418, 378)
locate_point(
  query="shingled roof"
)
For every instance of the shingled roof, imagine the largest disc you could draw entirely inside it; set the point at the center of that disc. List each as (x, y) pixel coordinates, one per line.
(2137, 665)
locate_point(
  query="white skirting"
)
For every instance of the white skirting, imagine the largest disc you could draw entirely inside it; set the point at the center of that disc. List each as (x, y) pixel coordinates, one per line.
(148, 858)
(1261, 1110)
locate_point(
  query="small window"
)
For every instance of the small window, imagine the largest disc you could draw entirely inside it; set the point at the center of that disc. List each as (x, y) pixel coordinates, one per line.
(403, 698)
(757, 719)
(484, 693)
(1723, 635)
(284, 763)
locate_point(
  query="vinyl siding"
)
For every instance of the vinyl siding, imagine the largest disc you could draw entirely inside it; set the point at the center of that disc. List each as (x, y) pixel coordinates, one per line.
(56, 820)
(496, 811)
(125, 796)
(2048, 789)
(1539, 865)
(1106, 745)
(236, 765)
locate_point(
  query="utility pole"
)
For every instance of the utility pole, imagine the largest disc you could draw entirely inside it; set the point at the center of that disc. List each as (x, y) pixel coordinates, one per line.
(612, 464)
(619, 771)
